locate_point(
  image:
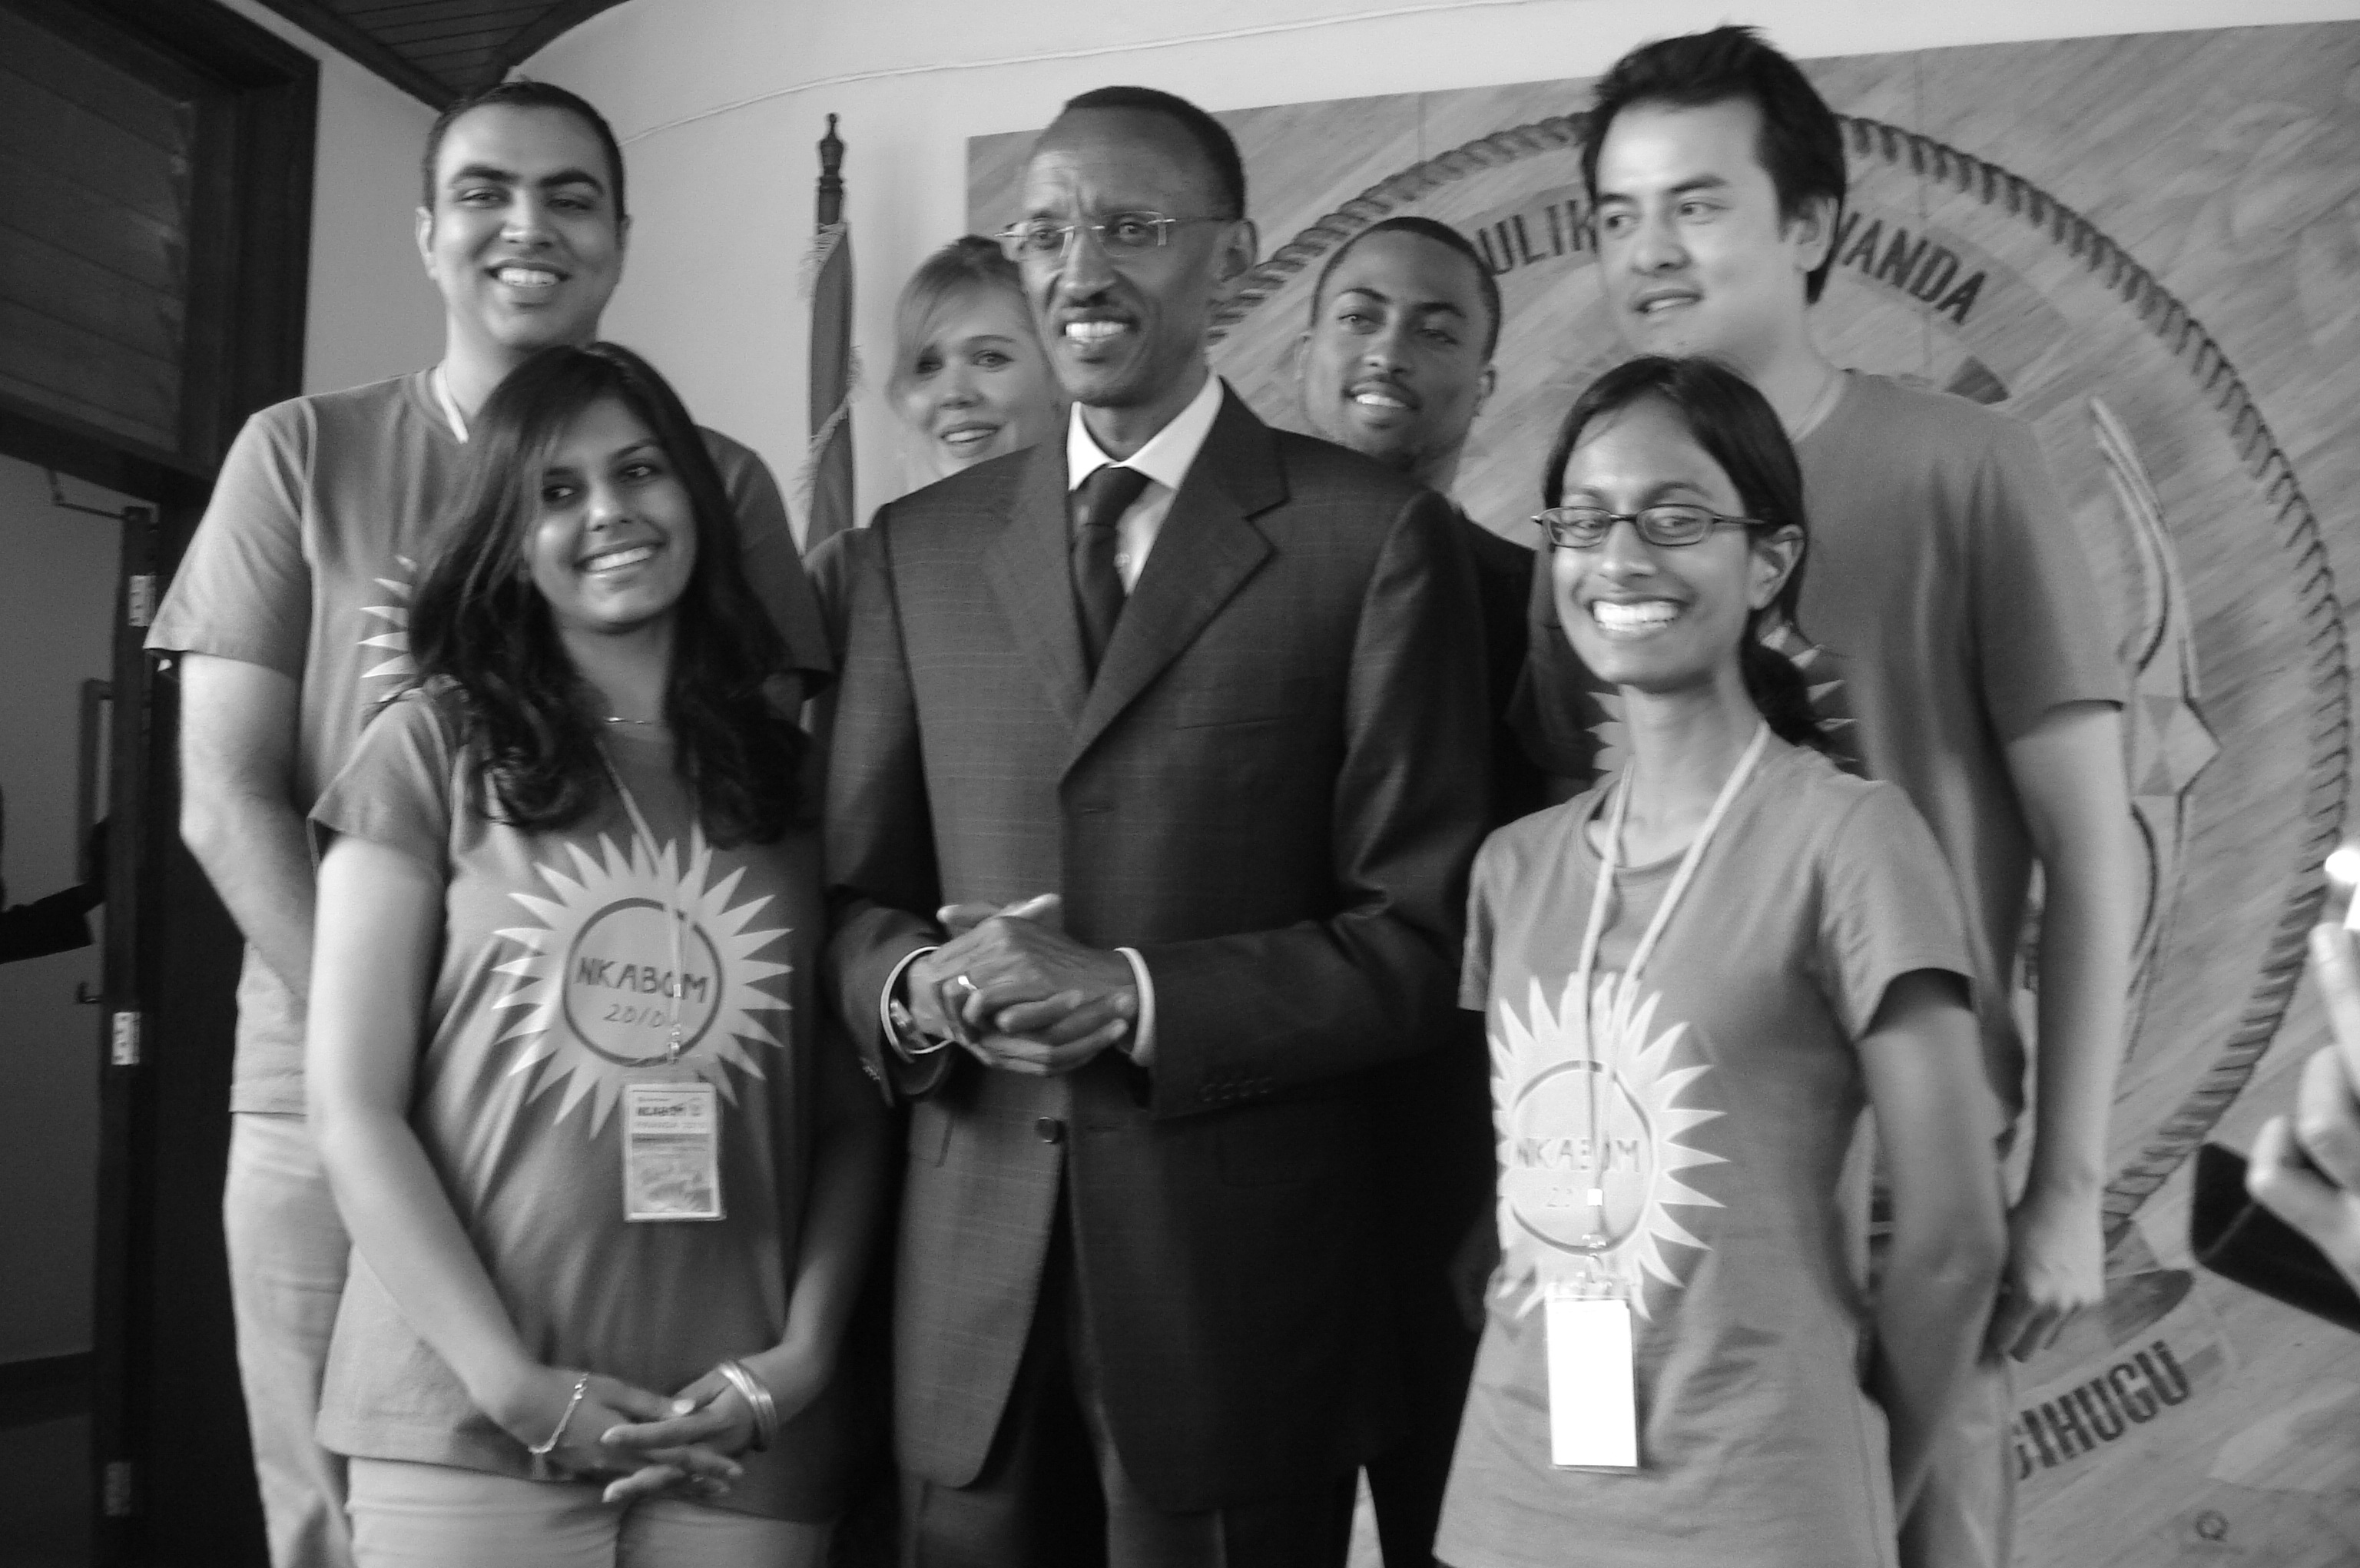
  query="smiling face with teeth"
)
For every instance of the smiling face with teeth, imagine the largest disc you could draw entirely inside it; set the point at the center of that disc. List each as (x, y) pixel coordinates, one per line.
(1664, 622)
(1126, 337)
(976, 384)
(611, 533)
(1394, 365)
(523, 239)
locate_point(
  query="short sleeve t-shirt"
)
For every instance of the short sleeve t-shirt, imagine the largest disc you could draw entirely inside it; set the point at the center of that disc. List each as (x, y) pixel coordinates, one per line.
(324, 516)
(552, 992)
(1735, 1088)
(1952, 609)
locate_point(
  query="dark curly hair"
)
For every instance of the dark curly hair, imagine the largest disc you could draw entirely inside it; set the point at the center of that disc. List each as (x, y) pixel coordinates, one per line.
(480, 625)
(1737, 428)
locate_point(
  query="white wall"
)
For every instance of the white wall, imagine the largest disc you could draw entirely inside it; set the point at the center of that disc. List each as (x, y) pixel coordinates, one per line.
(720, 102)
(371, 312)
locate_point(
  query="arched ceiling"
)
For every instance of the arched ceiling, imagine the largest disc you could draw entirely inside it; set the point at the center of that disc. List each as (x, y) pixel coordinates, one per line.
(438, 49)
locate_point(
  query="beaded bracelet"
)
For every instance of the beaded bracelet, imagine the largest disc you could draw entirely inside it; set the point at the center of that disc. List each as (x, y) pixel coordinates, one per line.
(541, 1451)
(758, 1399)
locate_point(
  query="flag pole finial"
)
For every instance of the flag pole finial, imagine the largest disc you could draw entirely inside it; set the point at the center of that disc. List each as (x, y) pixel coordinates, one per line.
(831, 176)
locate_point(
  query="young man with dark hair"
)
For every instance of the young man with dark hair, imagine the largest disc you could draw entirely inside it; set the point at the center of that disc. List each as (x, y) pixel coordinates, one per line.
(1948, 595)
(292, 607)
(1395, 363)
(1156, 770)
(1396, 360)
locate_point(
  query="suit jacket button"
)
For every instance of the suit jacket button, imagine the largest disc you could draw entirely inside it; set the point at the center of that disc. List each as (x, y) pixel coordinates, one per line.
(1049, 1130)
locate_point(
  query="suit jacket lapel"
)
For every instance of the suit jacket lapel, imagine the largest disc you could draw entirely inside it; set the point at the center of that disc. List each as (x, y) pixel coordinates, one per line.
(1027, 568)
(1204, 550)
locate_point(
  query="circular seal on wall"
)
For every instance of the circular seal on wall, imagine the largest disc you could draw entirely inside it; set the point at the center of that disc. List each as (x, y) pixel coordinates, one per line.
(1954, 272)
(1957, 273)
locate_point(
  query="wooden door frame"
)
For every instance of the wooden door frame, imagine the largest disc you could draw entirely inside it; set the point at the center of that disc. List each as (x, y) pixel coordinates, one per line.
(172, 1476)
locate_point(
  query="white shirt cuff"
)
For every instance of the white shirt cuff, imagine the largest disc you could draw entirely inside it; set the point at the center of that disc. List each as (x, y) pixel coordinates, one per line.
(1142, 1043)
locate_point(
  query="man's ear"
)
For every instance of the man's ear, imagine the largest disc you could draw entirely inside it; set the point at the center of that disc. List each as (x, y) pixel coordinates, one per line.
(426, 239)
(1485, 386)
(1297, 359)
(622, 237)
(1240, 246)
(1814, 231)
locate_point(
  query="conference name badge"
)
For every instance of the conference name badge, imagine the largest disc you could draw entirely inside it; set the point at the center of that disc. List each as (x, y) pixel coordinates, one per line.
(671, 1151)
(1593, 1400)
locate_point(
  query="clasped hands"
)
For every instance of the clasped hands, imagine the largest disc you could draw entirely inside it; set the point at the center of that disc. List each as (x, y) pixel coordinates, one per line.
(642, 1442)
(1032, 999)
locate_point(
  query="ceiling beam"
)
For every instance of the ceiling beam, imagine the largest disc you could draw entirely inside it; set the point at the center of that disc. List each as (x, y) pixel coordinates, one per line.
(559, 18)
(315, 18)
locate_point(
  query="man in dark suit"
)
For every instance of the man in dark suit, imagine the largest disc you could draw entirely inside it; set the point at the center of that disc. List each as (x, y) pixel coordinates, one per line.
(1195, 706)
(1395, 363)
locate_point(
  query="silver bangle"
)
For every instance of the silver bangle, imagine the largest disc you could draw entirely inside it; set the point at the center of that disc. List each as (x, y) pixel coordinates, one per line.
(541, 1451)
(758, 1399)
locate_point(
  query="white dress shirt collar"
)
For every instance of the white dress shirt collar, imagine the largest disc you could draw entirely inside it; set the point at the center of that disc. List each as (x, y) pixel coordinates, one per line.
(1166, 456)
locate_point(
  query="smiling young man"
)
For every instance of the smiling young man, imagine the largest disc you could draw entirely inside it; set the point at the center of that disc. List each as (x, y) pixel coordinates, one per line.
(291, 607)
(1193, 705)
(1948, 595)
(1395, 364)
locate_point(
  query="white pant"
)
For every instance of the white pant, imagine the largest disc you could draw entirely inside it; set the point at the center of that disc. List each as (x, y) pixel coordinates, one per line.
(286, 1257)
(438, 1516)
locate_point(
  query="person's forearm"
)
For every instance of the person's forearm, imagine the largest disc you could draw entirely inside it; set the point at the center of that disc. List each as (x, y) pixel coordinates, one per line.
(403, 1227)
(256, 852)
(2085, 943)
(841, 1220)
(1932, 1307)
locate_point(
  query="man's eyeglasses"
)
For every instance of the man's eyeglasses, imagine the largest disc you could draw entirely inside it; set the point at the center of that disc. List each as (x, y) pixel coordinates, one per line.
(1670, 525)
(1119, 234)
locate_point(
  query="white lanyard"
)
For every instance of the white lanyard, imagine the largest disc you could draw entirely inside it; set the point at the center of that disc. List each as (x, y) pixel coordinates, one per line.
(673, 918)
(1609, 862)
(440, 382)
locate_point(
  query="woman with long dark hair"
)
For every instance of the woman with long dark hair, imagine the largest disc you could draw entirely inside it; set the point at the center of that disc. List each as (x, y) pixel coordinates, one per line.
(609, 1189)
(1694, 976)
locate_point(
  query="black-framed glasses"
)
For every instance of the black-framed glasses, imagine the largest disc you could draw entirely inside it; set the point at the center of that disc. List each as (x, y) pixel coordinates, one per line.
(1670, 525)
(1118, 234)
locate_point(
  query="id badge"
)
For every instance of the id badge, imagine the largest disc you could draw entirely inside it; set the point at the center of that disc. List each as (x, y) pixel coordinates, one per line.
(671, 1151)
(1593, 1400)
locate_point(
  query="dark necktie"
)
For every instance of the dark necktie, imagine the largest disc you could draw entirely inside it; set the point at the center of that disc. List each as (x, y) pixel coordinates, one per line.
(1099, 505)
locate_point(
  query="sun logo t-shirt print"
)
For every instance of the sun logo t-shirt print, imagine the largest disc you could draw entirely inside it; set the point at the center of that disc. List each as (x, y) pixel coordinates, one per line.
(567, 953)
(1543, 1082)
(594, 987)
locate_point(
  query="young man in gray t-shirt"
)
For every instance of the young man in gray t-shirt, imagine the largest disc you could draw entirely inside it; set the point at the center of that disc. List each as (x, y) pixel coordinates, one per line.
(292, 607)
(1947, 590)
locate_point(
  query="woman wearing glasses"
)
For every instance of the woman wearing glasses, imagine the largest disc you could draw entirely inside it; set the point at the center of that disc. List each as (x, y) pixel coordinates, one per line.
(610, 1186)
(1693, 976)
